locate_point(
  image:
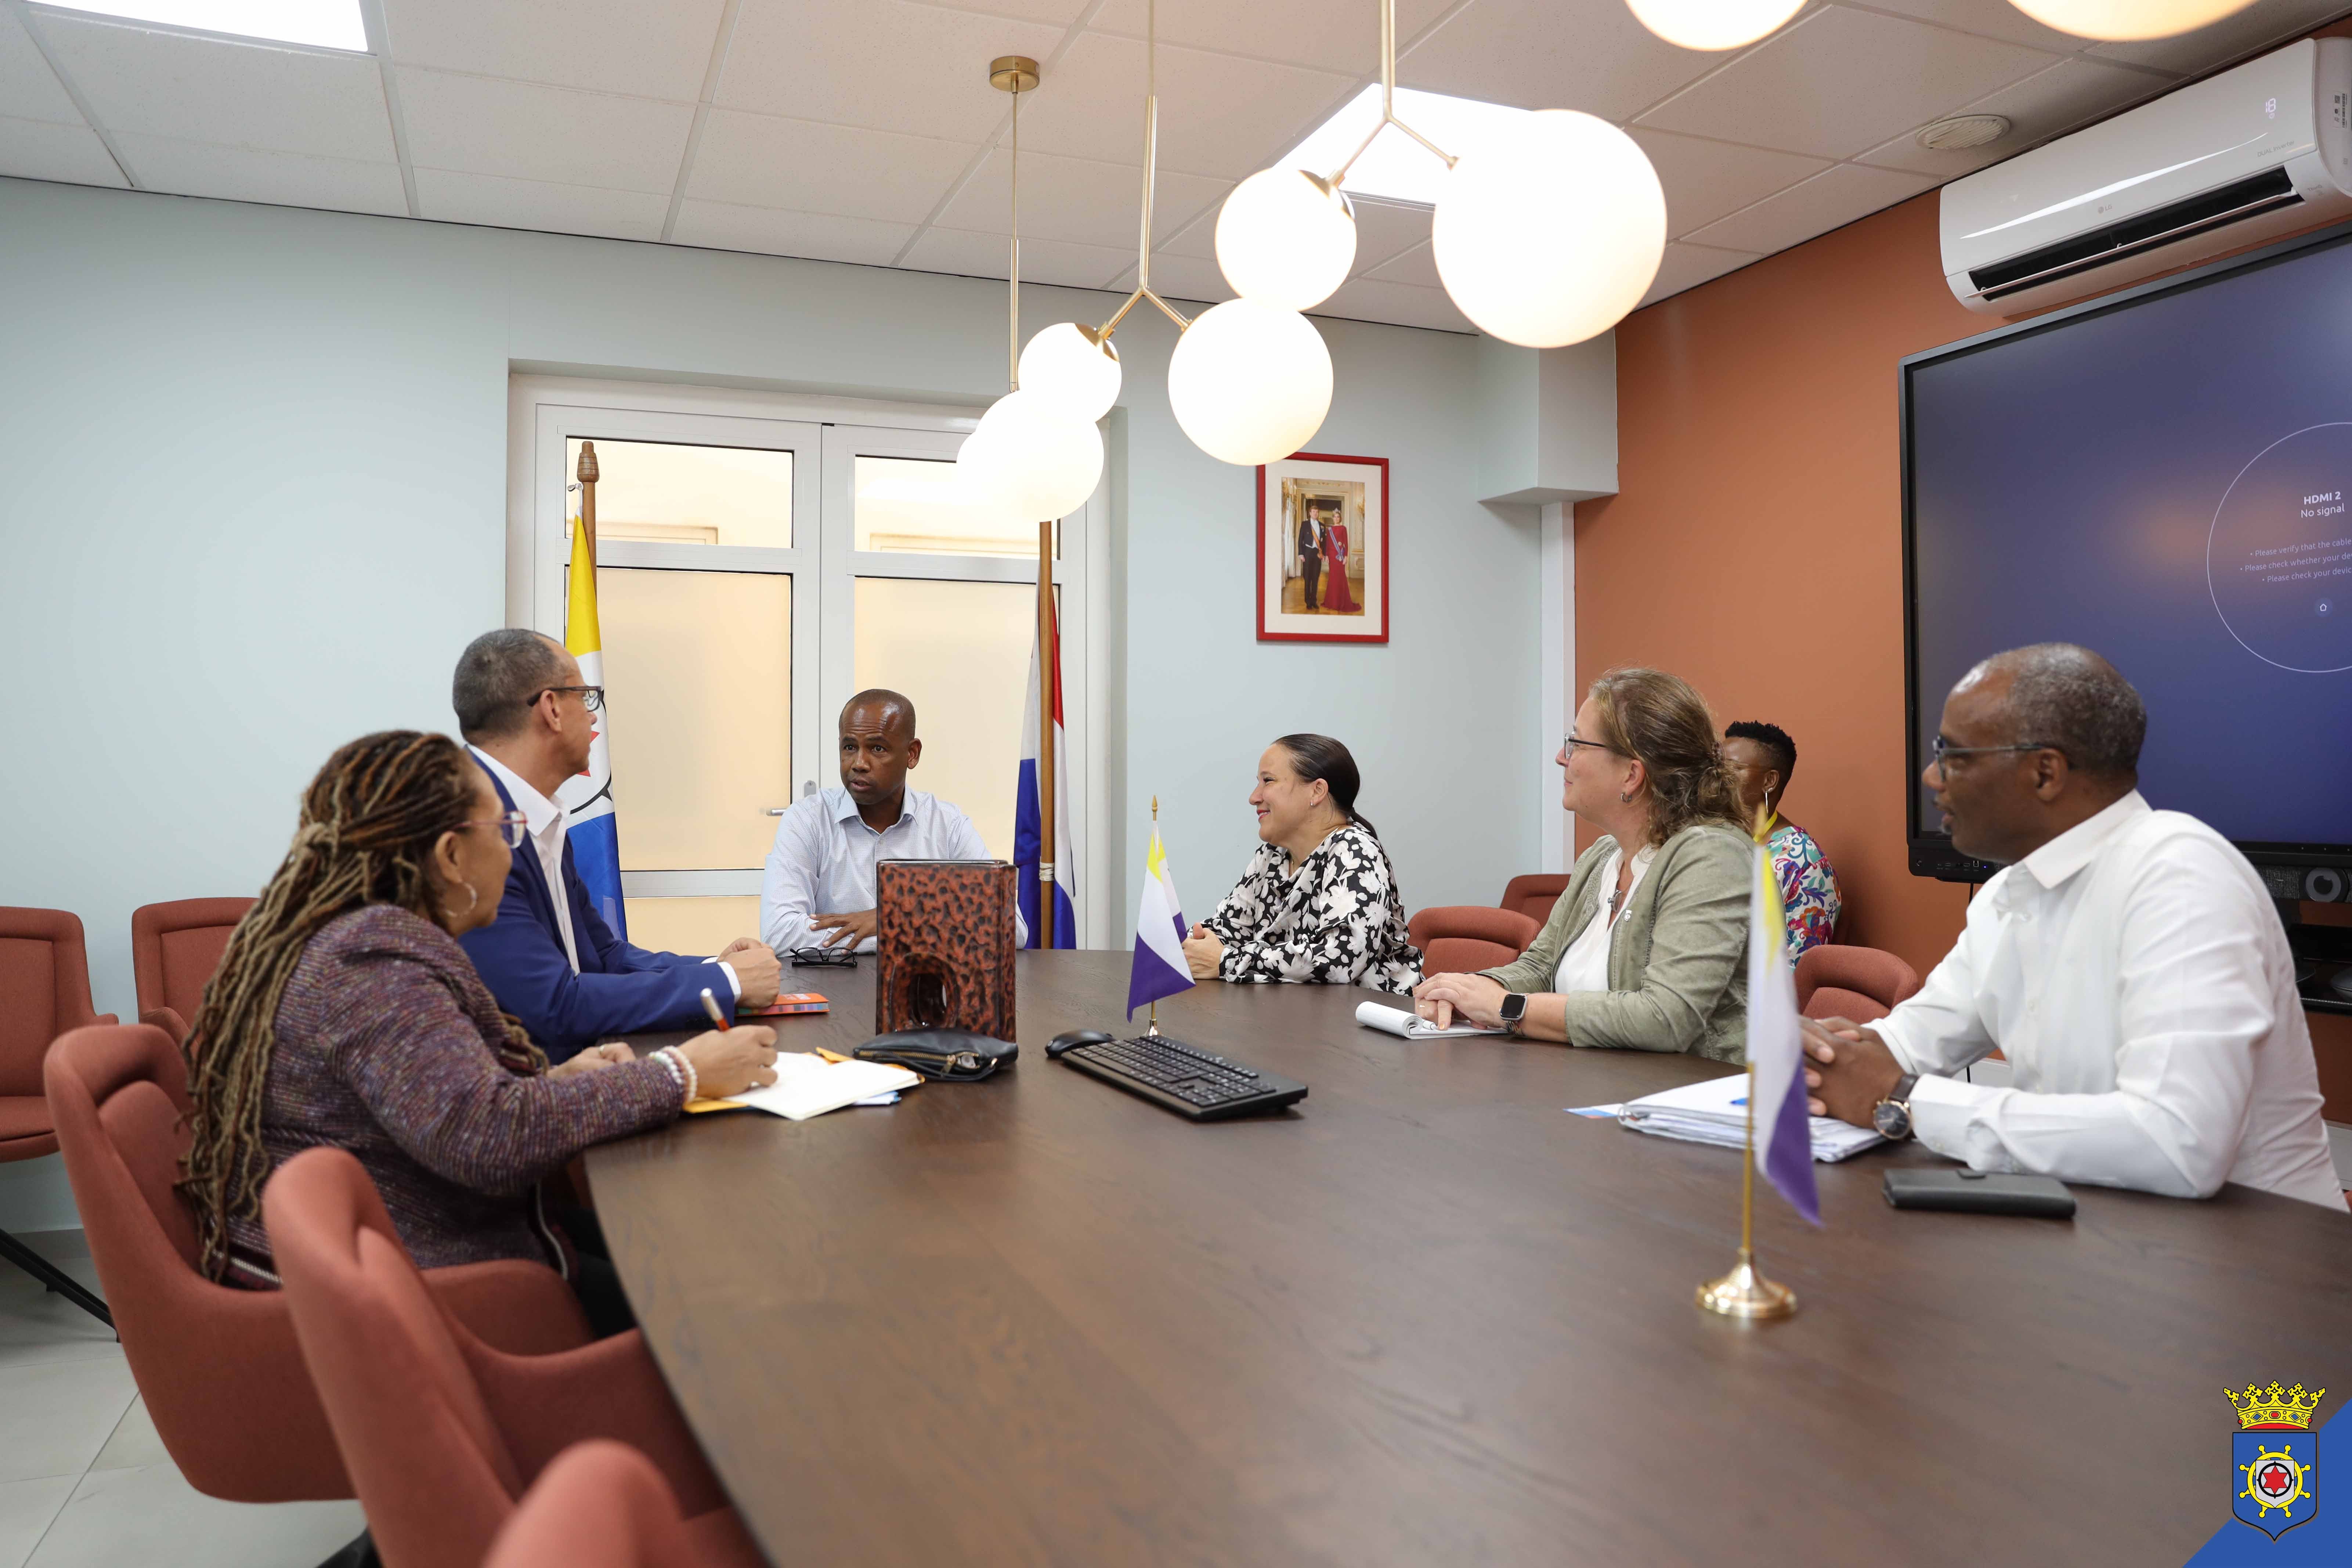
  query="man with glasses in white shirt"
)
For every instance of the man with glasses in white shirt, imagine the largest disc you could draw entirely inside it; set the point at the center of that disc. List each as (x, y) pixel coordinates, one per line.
(2127, 962)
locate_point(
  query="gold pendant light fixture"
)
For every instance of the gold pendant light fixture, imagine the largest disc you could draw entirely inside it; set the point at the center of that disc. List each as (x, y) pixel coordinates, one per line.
(1033, 454)
(1250, 380)
(2119, 20)
(1544, 236)
(1712, 24)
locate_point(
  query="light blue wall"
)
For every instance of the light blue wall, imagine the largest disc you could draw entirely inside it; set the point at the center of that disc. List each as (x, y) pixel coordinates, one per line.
(253, 496)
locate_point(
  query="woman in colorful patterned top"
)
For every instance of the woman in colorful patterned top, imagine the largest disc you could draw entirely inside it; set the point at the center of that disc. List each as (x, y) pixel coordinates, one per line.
(1318, 903)
(344, 1014)
(1763, 758)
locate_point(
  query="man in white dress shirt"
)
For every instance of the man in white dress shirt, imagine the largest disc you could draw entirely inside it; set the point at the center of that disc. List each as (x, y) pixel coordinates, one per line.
(2127, 962)
(819, 890)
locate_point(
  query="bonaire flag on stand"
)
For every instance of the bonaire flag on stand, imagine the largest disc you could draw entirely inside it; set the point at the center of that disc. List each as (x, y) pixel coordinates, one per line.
(587, 798)
(1027, 817)
(1776, 1051)
(1159, 967)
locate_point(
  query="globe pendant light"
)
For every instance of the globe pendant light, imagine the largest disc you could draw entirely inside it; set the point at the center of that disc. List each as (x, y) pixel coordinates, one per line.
(1715, 23)
(1249, 382)
(1030, 457)
(1074, 366)
(1286, 237)
(2117, 20)
(1550, 235)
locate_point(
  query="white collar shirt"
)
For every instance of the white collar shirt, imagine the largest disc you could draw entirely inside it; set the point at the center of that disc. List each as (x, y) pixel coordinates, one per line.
(2135, 976)
(543, 821)
(822, 861)
(1585, 965)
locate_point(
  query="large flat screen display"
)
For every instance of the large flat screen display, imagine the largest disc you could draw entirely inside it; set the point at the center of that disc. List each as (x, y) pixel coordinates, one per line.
(2163, 477)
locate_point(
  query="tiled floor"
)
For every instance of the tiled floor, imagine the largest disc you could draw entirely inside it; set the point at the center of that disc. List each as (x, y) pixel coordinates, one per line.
(83, 1478)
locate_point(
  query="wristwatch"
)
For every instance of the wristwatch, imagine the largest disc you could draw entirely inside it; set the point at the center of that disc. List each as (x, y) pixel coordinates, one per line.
(1892, 1116)
(1514, 1010)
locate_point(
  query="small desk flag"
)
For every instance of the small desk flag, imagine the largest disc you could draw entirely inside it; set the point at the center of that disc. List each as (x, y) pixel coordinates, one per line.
(1027, 817)
(587, 797)
(1776, 1052)
(1159, 967)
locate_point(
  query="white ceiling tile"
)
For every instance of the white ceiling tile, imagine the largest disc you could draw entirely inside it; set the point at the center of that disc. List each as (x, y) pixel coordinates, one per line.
(28, 88)
(243, 174)
(1077, 199)
(1218, 115)
(213, 90)
(1706, 180)
(1061, 13)
(1341, 35)
(885, 65)
(722, 225)
(1590, 55)
(756, 160)
(42, 150)
(1186, 278)
(2266, 22)
(1042, 260)
(1827, 201)
(1838, 82)
(1384, 229)
(2075, 90)
(448, 195)
(1197, 239)
(1417, 266)
(1688, 266)
(1398, 304)
(606, 46)
(1991, 18)
(518, 129)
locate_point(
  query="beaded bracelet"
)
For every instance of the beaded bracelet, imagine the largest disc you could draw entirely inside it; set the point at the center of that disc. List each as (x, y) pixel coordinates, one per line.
(690, 1082)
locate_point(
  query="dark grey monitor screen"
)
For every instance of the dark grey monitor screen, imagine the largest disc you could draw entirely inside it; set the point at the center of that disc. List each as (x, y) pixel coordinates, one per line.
(2163, 478)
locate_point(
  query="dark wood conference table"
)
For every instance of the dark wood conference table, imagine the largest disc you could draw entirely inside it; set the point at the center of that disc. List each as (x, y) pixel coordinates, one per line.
(1425, 1318)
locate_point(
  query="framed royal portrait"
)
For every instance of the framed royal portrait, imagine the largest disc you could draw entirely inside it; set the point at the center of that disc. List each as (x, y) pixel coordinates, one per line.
(1323, 548)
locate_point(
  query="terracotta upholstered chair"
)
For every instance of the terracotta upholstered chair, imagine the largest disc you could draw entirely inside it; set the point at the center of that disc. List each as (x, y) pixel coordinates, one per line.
(442, 1432)
(219, 1366)
(44, 992)
(1857, 983)
(175, 948)
(601, 1505)
(1534, 894)
(1456, 939)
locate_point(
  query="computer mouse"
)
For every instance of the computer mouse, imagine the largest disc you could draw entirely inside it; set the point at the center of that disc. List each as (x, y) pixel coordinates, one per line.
(1075, 1038)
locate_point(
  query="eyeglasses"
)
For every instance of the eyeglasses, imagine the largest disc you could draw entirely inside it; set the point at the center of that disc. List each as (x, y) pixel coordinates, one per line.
(1573, 742)
(824, 958)
(515, 826)
(591, 696)
(1944, 750)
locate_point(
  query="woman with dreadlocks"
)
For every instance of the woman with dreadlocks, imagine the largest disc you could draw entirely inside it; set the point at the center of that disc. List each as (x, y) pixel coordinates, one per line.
(344, 1013)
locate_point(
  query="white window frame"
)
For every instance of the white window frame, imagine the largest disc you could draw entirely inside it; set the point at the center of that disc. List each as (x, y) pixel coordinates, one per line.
(825, 436)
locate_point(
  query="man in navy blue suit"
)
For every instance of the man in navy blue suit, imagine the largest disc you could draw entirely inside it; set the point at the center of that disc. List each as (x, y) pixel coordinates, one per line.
(548, 958)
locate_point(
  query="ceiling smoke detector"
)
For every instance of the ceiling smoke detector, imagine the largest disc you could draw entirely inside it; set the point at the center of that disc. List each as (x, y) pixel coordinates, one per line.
(1962, 131)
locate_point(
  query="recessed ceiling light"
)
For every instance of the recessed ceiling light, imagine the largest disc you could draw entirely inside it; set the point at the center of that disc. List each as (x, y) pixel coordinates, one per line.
(329, 24)
(1396, 167)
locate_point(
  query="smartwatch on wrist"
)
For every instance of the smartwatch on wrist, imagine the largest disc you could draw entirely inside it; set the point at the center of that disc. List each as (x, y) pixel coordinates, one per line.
(1514, 1010)
(1892, 1116)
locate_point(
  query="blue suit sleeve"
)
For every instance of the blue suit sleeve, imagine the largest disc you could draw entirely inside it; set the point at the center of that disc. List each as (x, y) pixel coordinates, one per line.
(521, 961)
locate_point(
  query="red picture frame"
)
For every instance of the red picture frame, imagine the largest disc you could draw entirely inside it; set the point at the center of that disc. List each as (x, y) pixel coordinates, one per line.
(1348, 513)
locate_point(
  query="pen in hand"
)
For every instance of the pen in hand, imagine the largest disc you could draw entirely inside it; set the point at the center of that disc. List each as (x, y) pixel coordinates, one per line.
(718, 1013)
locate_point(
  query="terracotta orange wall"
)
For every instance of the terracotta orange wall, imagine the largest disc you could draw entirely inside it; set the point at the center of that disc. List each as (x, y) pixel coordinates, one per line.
(1755, 547)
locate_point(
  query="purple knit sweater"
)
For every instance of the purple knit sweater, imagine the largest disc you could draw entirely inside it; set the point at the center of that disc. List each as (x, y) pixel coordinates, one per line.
(390, 1045)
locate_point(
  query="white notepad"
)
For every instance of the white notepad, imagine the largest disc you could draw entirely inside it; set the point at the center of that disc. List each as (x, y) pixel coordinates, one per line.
(807, 1085)
(1715, 1111)
(1373, 1015)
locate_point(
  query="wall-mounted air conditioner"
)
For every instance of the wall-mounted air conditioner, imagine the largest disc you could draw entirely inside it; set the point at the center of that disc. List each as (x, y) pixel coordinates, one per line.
(2255, 153)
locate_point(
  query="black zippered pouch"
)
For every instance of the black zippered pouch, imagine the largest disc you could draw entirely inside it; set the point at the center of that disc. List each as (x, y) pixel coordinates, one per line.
(943, 1056)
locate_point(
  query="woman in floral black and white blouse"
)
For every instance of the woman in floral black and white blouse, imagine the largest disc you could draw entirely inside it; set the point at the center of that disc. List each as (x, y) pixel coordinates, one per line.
(1318, 903)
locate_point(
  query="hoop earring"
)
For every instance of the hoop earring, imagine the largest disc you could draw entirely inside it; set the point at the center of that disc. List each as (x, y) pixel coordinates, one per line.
(1625, 797)
(473, 902)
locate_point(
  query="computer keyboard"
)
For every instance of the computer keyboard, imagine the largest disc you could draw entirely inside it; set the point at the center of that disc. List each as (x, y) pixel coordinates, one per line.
(1190, 1082)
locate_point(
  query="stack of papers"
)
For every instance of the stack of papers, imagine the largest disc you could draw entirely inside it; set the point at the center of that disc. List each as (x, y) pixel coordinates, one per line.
(1373, 1015)
(1716, 1113)
(808, 1085)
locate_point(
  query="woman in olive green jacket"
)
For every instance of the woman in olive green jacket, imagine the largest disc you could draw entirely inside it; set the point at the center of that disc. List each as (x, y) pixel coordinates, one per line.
(1646, 951)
